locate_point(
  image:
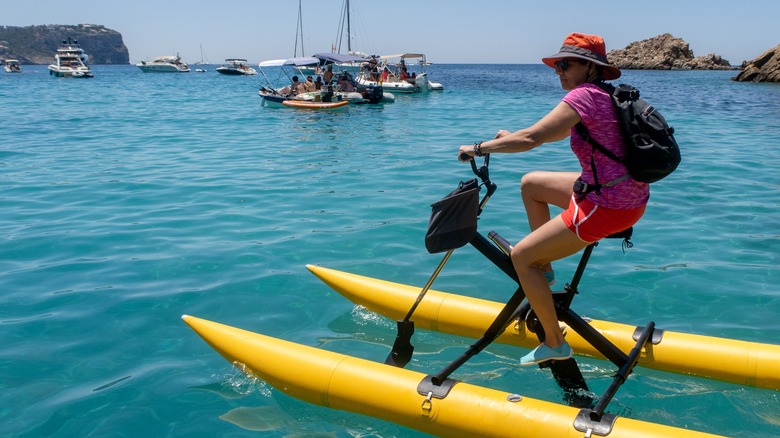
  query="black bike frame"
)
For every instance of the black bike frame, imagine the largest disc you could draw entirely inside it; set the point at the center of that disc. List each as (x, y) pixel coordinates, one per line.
(566, 372)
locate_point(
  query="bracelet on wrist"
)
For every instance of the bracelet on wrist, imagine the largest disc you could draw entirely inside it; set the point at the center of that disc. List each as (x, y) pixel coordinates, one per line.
(478, 149)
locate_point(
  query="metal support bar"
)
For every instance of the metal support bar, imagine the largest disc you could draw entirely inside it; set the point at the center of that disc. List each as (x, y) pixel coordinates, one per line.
(512, 310)
(592, 336)
(624, 371)
(509, 313)
(575, 280)
(495, 255)
(595, 420)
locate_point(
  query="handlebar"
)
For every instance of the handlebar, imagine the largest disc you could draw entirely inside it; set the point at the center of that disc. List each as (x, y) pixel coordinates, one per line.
(481, 171)
(483, 174)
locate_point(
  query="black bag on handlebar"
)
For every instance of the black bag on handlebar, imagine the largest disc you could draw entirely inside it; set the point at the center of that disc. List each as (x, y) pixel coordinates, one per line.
(453, 220)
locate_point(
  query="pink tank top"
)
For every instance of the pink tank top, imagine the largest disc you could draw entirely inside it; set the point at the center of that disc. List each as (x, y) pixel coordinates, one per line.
(598, 114)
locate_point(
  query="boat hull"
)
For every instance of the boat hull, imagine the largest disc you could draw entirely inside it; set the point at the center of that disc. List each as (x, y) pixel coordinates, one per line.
(347, 383)
(236, 72)
(395, 87)
(420, 84)
(66, 72)
(740, 362)
(162, 68)
(271, 102)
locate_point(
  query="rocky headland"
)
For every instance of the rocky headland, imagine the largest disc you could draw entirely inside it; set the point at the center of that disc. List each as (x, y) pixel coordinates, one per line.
(38, 44)
(765, 68)
(664, 52)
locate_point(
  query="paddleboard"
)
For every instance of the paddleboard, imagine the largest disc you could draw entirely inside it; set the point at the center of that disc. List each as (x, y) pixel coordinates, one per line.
(314, 105)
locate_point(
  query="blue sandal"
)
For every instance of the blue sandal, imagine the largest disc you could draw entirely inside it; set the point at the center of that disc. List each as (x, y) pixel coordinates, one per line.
(543, 353)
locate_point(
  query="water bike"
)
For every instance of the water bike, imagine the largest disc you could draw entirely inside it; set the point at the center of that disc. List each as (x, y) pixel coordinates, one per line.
(437, 404)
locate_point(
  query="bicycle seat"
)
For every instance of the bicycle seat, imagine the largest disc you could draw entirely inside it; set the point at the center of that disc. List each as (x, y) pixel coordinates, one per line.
(625, 234)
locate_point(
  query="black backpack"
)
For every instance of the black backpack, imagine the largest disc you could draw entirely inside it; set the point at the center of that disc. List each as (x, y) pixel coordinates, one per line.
(652, 152)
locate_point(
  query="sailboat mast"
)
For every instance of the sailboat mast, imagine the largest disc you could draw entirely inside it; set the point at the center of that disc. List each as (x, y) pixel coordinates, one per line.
(344, 19)
(299, 31)
(349, 39)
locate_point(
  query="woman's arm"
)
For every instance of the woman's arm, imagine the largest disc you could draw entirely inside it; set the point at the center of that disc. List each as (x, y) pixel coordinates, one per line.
(556, 125)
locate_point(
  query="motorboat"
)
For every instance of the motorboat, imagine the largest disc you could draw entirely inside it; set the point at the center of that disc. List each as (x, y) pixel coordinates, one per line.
(392, 72)
(236, 67)
(345, 82)
(164, 64)
(274, 95)
(12, 66)
(70, 61)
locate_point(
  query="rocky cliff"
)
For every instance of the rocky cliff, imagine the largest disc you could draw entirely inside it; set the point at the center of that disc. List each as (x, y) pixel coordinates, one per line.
(765, 68)
(664, 52)
(37, 44)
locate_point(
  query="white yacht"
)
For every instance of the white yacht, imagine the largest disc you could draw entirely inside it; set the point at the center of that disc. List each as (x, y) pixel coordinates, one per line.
(236, 66)
(164, 64)
(70, 61)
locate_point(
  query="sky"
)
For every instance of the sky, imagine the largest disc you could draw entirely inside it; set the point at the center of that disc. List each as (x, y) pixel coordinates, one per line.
(446, 31)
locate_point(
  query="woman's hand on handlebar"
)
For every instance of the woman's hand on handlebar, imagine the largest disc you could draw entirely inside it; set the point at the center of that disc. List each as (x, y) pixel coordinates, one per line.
(502, 133)
(466, 153)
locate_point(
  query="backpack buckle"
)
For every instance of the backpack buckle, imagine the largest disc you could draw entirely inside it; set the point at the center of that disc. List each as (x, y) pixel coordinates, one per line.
(581, 188)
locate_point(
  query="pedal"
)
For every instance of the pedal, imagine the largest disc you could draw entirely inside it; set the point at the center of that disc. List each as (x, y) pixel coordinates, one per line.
(532, 323)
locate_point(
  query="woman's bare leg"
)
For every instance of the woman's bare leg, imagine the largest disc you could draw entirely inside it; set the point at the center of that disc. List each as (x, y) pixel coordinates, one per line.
(551, 241)
(540, 189)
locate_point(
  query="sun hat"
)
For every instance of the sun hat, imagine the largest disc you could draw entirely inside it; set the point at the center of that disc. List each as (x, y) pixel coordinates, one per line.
(588, 47)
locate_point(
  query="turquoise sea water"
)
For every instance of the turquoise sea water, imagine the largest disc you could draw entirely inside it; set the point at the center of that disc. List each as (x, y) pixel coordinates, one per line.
(131, 199)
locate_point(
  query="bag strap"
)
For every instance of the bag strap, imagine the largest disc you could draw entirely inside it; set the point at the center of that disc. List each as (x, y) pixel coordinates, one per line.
(583, 132)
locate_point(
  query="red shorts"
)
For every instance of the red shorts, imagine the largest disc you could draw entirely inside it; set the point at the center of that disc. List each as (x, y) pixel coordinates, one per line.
(592, 222)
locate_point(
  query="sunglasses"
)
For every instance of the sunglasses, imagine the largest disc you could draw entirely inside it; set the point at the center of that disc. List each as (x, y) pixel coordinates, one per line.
(564, 64)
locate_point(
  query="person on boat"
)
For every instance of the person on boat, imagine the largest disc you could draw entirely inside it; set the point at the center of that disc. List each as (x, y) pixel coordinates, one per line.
(318, 83)
(345, 84)
(309, 85)
(296, 87)
(328, 75)
(404, 72)
(385, 74)
(371, 69)
(589, 215)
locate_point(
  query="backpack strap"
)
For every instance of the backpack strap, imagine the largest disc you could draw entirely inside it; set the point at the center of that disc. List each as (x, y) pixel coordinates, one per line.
(585, 135)
(583, 132)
